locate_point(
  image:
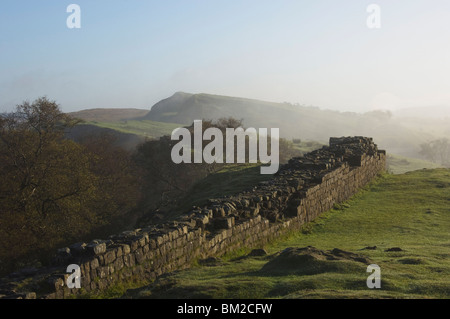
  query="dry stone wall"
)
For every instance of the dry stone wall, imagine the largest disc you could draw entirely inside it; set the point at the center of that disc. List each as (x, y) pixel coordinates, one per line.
(297, 194)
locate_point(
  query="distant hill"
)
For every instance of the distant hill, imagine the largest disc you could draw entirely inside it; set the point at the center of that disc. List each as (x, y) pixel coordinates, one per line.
(108, 115)
(398, 135)
(431, 112)
(184, 108)
(294, 121)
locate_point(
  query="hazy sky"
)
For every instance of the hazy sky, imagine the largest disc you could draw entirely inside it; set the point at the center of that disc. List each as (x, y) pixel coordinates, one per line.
(134, 53)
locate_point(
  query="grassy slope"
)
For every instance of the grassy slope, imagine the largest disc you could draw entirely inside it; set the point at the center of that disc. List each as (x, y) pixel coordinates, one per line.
(410, 211)
(230, 180)
(108, 115)
(297, 121)
(397, 164)
(144, 128)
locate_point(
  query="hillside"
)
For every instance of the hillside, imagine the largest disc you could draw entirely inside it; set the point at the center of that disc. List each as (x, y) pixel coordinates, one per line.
(125, 140)
(297, 121)
(142, 128)
(108, 115)
(121, 123)
(407, 212)
(399, 135)
(397, 164)
(430, 112)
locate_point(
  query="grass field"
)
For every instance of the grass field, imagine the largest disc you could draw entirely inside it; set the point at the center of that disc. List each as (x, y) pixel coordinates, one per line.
(397, 164)
(409, 211)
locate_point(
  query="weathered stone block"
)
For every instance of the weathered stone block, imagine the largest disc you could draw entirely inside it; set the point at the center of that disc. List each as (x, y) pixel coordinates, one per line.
(102, 272)
(118, 263)
(96, 249)
(159, 240)
(94, 264)
(109, 257)
(134, 245)
(129, 260)
(119, 251)
(139, 255)
(223, 223)
(126, 249)
(111, 269)
(142, 240)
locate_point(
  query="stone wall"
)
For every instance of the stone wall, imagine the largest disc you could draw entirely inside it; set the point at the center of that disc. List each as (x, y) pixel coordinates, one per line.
(298, 193)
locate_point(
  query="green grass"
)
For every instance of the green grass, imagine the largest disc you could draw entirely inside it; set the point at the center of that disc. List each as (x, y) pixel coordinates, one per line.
(150, 129)
(230, 180)
(410, 211)
(399, 164)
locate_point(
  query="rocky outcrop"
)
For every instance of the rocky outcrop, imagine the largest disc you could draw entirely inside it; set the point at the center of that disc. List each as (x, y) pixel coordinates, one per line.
(302, 189)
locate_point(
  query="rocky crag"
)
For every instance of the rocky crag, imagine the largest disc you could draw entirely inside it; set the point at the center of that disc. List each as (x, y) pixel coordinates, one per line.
(298, 193)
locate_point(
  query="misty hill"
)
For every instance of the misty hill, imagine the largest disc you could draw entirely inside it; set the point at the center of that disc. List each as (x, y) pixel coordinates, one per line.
(108, 115)
(294, 121)
(184, 108)
(430, 112)
(399, 133)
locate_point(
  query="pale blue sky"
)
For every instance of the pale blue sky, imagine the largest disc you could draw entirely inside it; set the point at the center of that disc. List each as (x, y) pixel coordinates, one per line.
(134, 53)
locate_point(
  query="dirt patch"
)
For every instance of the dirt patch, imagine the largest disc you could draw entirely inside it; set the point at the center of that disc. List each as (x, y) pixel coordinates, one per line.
(369, 248)
(395, 249)
(411, 261)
